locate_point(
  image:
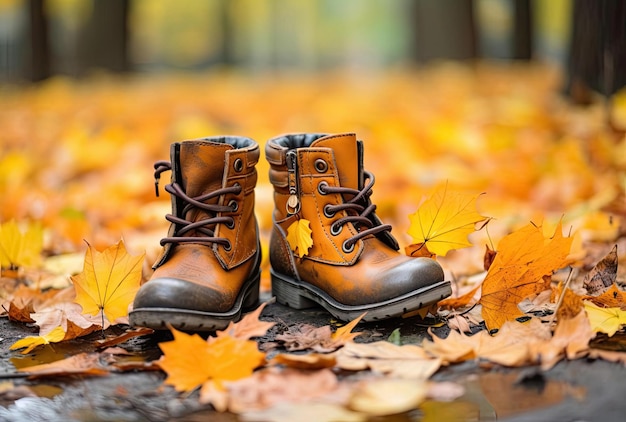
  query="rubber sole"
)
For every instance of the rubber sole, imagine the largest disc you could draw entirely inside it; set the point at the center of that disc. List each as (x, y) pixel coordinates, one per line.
(190, 320)
(302, 295)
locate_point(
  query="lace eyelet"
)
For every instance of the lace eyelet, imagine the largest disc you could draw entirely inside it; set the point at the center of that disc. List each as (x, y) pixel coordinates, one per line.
(347, 249)
(234, 205)
(321, 187)
(321, 166)
(335, 229)
(228, 246)
(327, 212)
(238, 165)
(231, 224)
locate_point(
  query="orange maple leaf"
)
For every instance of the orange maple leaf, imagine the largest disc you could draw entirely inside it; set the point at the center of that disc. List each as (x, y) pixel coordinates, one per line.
(109, 281)
(344, 334)
(460, 301)
(524, 258)
(190, 361)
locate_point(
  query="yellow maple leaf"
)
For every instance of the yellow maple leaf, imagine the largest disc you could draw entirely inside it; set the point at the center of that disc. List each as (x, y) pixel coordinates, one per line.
(299, 236)
(20, 249)
(30, 342)
(444, 221)
(524, 258)
(605, 320)
(190, 361)
(109, 281)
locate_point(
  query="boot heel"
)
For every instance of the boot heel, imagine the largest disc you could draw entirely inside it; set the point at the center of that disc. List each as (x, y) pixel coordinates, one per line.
(288, 295)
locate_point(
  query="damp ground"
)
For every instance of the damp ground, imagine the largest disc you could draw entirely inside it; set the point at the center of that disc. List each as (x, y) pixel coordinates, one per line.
(580, 390)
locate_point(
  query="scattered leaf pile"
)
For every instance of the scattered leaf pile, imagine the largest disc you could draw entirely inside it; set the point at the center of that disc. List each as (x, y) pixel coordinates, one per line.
(519, 195)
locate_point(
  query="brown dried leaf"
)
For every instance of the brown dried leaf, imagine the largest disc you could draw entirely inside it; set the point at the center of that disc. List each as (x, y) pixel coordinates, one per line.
(603, 275)
(408, 361)
(611, 298)
(419, 250)
(318, 339)
(490, 255)
(127, 335)
(80, 364)
(270, 386)
(383, 397)
(250, 326)
(308, 361)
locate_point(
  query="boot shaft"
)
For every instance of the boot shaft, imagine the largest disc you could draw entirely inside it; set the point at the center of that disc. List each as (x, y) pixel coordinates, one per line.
(318, 177)
(217, 177)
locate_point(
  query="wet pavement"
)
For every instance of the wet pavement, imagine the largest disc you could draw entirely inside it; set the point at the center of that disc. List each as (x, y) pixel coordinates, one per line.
(581, 390)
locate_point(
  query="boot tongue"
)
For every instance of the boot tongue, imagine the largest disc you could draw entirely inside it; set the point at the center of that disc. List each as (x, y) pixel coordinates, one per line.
(202, 167)
(346, 154)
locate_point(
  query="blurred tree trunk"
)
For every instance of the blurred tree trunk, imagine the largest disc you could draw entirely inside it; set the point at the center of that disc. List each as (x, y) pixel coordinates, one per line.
(522, 30)
(38, 63)
(443, 29)
(226, 53)
(104, 42)
(597, 58)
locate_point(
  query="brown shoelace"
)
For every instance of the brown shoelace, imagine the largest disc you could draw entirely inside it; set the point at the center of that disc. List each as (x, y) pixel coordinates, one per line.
(202, 226)
(361, 208)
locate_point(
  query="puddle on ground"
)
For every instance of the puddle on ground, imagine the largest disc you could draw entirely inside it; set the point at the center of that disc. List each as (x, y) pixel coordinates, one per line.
(50, 353)
(497, 395)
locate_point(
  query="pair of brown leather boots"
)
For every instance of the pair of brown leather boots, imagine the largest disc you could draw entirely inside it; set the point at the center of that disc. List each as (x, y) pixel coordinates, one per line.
(209, 270)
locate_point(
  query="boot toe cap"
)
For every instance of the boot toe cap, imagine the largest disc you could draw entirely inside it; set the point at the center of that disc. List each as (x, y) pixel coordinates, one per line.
(173, 293)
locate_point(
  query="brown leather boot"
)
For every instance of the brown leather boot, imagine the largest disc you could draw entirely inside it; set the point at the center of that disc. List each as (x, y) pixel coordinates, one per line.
(209, 270)
(353, 265)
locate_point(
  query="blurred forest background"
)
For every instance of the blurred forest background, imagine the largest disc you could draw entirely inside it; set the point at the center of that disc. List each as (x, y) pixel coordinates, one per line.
(508, 97)
(41, 38)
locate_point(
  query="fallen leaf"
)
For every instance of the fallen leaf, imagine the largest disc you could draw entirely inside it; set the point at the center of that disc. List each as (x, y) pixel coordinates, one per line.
(611, 298)
(307, 361)
(608, 355)
(383, 397)
(462, 301)
(69, 316)
(80, 364)
(249, 326)
(571, 337)
(109, 281)
(490, 255)
(571, 305)
(344, 334)
(30, 342)
(523, 261)
(305, 337)
(125, 336)
(20, 248)
(602, 275)
(271, 386)
(190, 361)
(419, 250)
(605, 320)
(408, 361)
(299, 237)
(444, 221)
(511, 346)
